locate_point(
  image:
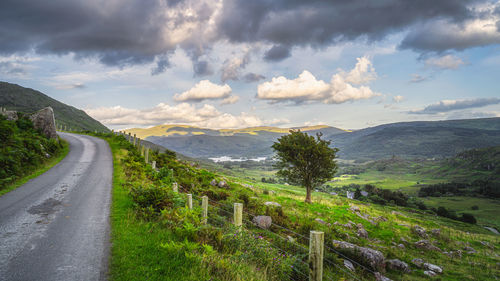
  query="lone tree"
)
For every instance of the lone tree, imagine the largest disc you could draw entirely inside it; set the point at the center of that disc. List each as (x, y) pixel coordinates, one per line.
(305, 160)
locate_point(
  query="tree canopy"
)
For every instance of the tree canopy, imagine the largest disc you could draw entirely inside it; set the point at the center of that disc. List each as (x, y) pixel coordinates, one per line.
(305, 160)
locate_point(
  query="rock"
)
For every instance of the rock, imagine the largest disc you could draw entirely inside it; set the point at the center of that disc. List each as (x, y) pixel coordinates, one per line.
(426, 245)
(213, 182)
(350, 194)
(290, 239)
(349, 265)
(10, 115)
(362, 233)
(223, 184)
(398, 265)
(470, 250)
(402, 239)
(263, 221)
(401, 246)
(418, 262)
(380, 277)
(436, 232)
(354, 209)
(44, 121)
(397, 213)
(433, 267)
(333, 193)
(367, 256)
(486, 244)
(364, 193)
(430, 273)
(320, 221)
(380, 218)
(420, 231)
(270, 203)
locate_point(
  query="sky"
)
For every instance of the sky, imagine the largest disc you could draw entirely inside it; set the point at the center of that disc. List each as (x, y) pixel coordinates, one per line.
(239, 63)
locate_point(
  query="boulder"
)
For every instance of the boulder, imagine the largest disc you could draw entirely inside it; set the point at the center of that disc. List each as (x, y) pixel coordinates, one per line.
(470, 250)
(354, 209)
(426, 245)
(433, 267)
(430, 273)
(213, 182)
(364, 193)
(436, 232)
(349, 265)
(380, 277)
(263, 221)
(401, 246)
(10, 115)
(223, 184)
(397, 265)
(367, 256)
(273, 204)
(420, 231)
(44, 121)
(362, 233)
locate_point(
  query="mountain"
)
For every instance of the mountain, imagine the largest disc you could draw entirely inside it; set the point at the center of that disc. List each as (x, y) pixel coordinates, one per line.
(15, 97)
(422, 139)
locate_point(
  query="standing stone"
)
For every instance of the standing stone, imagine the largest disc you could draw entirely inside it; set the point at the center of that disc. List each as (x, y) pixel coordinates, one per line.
(44, 121)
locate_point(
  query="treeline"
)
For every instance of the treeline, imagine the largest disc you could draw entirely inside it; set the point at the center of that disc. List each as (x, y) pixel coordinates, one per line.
(23, 149)
(486, 188)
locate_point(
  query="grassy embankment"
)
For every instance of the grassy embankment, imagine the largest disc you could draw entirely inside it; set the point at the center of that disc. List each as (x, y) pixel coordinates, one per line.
(155, 237)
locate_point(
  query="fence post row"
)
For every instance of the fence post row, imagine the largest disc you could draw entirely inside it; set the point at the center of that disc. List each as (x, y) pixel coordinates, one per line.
(316, 244)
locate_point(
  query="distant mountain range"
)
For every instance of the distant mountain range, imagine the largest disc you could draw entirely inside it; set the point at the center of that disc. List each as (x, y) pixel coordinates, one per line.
(423, 139)
(15, 97)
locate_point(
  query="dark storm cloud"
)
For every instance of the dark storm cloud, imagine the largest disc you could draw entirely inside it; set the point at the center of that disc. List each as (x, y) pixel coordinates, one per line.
(320, 22)
(277, 53)
(445, 106)
(161, 66)
(253, 77)
(134, 31)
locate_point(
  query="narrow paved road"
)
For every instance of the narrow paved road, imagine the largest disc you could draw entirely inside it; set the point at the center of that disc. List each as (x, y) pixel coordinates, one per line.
(56, 226)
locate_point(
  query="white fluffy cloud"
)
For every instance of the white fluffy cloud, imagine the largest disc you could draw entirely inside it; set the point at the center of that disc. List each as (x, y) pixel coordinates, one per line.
(204, 90)
(398, 99)
(307, 88)
(444, 62)
(184, 113)
(230, 100)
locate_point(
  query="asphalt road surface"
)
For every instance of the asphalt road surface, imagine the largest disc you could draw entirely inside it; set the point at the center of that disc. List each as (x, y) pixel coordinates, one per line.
(56, 226)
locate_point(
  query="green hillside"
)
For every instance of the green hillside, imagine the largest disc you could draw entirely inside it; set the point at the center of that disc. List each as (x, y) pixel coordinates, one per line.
(15, 97)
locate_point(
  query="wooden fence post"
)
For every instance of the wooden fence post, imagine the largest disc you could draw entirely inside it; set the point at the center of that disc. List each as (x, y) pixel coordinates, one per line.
(190, 201)
(153, 165)
(135, 139)
(175, 187)
(238, 214)
(204, 206)
(147, 155)
(316, 244)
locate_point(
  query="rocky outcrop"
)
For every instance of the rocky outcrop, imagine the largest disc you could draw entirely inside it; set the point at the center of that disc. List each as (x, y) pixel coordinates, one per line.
(263, 221)
(10, 115)
(44, 121)
(367, 256)
(397, 265)
(349, 265)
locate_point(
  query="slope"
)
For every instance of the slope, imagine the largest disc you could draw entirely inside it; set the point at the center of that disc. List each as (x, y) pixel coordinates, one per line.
(15, 97)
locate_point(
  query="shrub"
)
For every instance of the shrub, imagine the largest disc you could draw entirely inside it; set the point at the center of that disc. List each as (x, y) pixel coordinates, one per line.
(468, 218)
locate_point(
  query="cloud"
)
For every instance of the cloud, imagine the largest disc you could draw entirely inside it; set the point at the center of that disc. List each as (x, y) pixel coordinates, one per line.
(231, 67)
(442, 34)
(204, 90)
(277, 53)
(450, 105)
(201, 68)
(205, 116)
(444, 62)
(12, 69)
(307, 88)
(417, 78)
(253, 77)
(230, 100)
(472, 114)
(70, 86)
(398, 99)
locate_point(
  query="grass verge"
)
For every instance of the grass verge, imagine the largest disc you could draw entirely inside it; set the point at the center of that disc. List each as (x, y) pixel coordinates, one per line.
(40, 170)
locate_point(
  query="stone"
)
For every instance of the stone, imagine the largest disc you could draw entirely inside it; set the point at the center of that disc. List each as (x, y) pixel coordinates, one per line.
(263, 221)
(273, 204)
(223, 184)
(433, 267)
(401, 246)
(364, 193)
(333, 193)
(436, 232)
(350, 194)
(397, 213)
(470, 250)
(349, 265)
(213, 182)
(367, 256)
(380, 218)
(418, 262)
(362, 233)
(354, 209)
(10, 115)
(397, 265)
(320, 221)
(290, 239)
(420, 231)
(430, 273)
(44, 121)
(426, 245)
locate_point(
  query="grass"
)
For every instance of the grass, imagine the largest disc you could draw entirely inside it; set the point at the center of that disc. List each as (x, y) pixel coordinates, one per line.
(51, 162)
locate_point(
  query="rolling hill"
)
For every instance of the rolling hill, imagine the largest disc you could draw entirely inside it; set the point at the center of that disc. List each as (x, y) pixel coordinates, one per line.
(15, 97)
(422, 139)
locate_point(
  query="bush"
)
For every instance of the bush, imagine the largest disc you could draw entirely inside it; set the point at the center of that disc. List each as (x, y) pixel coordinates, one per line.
(468, 218)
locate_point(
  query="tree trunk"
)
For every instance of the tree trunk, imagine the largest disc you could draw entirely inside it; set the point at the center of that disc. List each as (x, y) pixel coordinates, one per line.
(308, 194)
